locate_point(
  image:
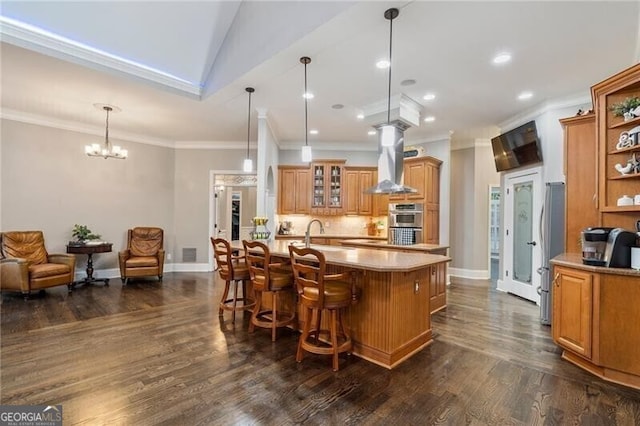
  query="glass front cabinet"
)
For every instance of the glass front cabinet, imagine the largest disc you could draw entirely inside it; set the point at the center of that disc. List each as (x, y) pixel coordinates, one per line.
(327, 187)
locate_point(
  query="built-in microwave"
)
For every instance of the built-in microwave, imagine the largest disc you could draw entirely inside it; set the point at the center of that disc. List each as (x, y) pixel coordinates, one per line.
(405, 215)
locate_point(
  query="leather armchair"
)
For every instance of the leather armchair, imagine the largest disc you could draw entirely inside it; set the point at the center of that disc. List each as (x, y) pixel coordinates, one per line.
(144, 255)
(25, 264)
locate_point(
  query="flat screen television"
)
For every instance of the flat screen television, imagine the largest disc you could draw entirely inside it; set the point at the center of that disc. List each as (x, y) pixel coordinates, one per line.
(516, 148)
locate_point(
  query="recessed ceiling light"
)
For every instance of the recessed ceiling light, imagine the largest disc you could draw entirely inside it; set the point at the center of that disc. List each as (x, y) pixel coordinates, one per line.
(408, 82)
(429, 97)
(501, 58)
(429, 119)
(383, 64)
(308, 95)
(337, 106)
(525, 95)
(371, 132)
(313, 132)
(360, 116)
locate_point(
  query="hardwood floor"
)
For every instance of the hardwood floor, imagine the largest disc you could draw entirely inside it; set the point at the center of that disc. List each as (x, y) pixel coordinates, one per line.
(157, 353)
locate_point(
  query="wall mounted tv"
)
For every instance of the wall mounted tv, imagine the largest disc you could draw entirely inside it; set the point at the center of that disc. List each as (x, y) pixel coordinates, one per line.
(516, 148)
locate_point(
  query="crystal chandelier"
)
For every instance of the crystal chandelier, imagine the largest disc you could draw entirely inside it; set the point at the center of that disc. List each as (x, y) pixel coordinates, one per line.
(108, 150)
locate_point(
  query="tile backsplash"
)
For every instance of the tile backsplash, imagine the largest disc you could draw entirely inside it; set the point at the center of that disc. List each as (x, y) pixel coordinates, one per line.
(333, 225)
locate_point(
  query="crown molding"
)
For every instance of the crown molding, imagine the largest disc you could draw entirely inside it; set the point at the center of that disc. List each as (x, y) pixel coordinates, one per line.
(22, 117)
(39, 40)
(538, 110)
(330, 146)
(215, 145)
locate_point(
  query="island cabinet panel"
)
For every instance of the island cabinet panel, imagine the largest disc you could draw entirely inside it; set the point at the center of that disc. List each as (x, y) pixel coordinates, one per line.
(580, 163)
(438, 287)
(393, 316)
(573, 310)
(294, 190)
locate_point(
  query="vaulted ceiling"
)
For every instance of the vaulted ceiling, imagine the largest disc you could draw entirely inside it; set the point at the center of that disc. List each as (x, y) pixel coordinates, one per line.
(178, 69)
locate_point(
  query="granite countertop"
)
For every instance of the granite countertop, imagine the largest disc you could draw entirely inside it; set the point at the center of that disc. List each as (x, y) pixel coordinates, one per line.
(422, 247)
(574, 260)
(330, 236)
(362, 258)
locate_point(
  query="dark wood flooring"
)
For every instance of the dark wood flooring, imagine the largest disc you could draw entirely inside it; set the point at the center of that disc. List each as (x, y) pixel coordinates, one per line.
(157, 353)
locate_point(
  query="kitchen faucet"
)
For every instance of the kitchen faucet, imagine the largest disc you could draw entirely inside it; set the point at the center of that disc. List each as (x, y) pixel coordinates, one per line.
(307, 238)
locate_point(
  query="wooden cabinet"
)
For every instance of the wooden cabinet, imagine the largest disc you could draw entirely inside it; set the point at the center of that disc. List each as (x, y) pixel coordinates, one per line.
(609, 131)
(573, 310)
(294, 190)
(596, 319)
(356, 181)
(580, 162)
(327, 187)
(438, 287)
(423, 174)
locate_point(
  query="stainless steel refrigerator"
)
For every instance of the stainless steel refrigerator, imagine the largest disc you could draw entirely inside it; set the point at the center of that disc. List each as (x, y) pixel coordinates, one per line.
(552, 242)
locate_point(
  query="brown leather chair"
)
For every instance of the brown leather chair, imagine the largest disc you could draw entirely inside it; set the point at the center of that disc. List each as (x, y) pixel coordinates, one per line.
(25, 264)
(144, 255)
(320, 292)
(231, 267)
(272, 278)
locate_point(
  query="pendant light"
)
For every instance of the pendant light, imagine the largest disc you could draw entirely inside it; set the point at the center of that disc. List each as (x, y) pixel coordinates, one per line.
(107, 151)
(388, 131)
(248, 164)
(306, 149)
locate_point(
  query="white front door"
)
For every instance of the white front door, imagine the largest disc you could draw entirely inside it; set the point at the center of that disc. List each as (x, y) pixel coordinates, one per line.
(523, 206)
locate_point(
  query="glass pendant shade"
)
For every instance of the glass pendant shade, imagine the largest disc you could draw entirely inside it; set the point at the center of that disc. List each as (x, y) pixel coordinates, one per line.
(388, 135)
(306, 154)
(247, 165)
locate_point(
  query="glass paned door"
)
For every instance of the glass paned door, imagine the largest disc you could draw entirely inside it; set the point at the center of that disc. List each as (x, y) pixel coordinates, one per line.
(522, 231)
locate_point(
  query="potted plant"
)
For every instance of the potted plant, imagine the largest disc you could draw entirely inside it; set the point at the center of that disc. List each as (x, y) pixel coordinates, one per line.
(82, 233)
(627, 108)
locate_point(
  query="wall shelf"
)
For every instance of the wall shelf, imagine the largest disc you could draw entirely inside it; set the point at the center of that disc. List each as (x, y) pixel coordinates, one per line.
(635, 120)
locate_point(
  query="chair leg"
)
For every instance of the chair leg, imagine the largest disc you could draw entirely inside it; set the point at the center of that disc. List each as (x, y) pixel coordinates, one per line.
(256, 311)
(334, 338)
(274, 316)
(235, 301)
(225, 295)
(318, 324)
(305, 334)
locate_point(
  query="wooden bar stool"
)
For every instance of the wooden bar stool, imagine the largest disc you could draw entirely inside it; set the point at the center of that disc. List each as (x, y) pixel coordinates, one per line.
(231, 268)
(317, 292)
(272, 278)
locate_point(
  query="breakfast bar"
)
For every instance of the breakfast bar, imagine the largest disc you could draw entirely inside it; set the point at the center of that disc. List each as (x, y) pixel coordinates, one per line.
(391, 320)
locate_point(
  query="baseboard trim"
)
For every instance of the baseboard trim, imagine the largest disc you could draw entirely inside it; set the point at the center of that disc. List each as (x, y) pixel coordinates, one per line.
(168, 267)
(472, 274)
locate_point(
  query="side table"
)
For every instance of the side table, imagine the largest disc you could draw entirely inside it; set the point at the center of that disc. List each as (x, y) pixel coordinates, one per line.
(90, 250)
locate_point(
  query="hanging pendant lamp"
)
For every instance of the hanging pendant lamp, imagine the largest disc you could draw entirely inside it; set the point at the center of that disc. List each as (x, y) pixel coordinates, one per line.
(108, 150)
(388, 131)
(306, 149)
(248, 164)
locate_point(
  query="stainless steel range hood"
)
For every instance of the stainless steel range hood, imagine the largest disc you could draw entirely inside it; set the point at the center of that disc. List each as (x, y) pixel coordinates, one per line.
(390, 163)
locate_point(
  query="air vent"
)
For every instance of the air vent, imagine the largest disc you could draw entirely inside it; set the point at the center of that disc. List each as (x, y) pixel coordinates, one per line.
(188, 254)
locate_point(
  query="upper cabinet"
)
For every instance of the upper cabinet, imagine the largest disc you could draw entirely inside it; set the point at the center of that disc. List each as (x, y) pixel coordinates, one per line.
(580, 161)
(618, 140)
(328, 190)
(294, 190)
(423, 175)
(357, 180)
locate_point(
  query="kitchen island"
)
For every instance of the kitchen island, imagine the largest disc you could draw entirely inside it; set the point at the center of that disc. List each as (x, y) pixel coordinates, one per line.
(392, 319)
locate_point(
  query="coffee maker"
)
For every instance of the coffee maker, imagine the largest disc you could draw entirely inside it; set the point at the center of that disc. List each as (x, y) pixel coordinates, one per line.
(609, 247)
(594, 243)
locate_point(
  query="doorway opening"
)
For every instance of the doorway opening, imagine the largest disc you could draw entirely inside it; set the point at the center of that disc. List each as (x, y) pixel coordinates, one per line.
(495, 194)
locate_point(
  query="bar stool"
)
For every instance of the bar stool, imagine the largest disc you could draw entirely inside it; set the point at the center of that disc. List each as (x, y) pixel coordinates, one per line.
(317, 292)
(231, 268)
(268, 277)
